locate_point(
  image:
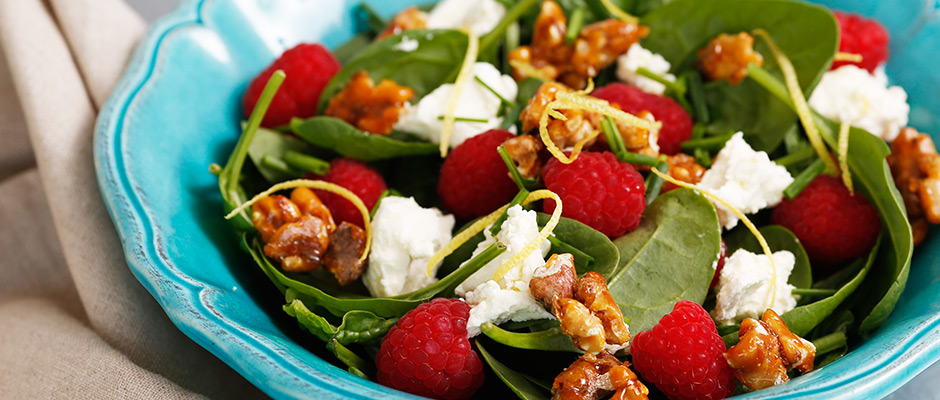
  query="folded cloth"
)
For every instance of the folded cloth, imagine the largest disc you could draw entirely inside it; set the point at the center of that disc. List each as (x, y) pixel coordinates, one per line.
(74, 322)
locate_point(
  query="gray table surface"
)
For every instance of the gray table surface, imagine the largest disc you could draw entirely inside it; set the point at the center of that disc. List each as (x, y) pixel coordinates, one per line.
(926, 386)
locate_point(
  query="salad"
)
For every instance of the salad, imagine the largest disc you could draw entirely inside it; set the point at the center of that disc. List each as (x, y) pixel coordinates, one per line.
(585, 199)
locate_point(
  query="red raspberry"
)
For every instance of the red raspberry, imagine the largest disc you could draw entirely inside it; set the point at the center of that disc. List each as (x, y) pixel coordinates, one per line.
(597, 190)
(359, 178)
(684, 356)
(677, 124)
(859, 35)
(832, 225)
(474, 180)
(427, 353)
(309, 67)
(722, 256)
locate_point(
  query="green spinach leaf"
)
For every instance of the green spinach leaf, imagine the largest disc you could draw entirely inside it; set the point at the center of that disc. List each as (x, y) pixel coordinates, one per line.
(357, 366)
(343, 138)
(588, 240)
(438, 59)
(668, 258)
(274, 144)
(358, 326)
(778, 238)
(552, 339)
(516, 381)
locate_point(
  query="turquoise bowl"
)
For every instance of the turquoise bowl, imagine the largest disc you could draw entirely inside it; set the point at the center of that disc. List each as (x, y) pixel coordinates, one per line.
(177, 109)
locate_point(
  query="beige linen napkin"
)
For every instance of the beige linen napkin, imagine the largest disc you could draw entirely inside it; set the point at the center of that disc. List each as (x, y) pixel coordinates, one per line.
(74, 322)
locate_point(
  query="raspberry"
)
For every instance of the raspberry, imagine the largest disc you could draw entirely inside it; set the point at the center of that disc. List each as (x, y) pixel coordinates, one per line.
(358, 177)
(677, 124)
(597, 190)
(859, 35)
(474, 180)
(832, 225)
(684, 356)
(722, 257)
(427, 353)
(309, 67)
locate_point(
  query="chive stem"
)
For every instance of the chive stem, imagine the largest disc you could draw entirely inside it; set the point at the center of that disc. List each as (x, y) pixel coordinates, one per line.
(698, 131)
(697, 94)
(830, 342)
(306, 163)
(385, 193)
(703, 157)
(574, 25)
(465, 119)
(813, 292)
(502, 99)
(615, 142)
(278, 165)
(512, 15)
(498, 224)
(522, 182)
(675, 87)
(711, 143)
(796, 158)
(559, 246)
(654, 183)
(804, 179)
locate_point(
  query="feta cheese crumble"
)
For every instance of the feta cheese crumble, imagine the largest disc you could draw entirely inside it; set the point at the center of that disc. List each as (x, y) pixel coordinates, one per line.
(475, 102)
(509, 298)
(746, 283)
(850, 94)
(404, 237)
(637, 57)
(748, 180)
(479, 16)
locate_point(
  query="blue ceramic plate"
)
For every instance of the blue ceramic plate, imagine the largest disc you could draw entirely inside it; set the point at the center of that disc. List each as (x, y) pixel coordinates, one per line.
(177, 110)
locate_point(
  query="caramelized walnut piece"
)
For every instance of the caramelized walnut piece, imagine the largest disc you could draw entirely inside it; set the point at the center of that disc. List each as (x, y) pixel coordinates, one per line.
(347, 243)
(727, 57)
(585, 329)
(408, 19)
(556, 280)
(309, 204)
(598, 45)
(683, 167)
(597, 376)
(369, 107)
(916, 169)
(299, 246)
(579, 125)
(766, 351)
(271, 213)
(592, 292)
(524, 151)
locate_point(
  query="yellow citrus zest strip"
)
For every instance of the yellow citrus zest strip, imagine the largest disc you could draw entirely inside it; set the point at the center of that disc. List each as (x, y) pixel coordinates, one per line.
(618, 13)
(850, 57)
(466, 73)
(799, 101)
(463, 237)
(747, 222)
(320, 185)
(844, 129)
(527, 70)
(516, 261)
(580, 101)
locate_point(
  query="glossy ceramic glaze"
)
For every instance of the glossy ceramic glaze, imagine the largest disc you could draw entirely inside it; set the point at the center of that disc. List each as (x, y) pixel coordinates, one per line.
(177, 110)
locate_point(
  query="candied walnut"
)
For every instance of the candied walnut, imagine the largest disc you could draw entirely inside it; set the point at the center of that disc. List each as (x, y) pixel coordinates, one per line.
(549, 57)
(310, 204)
(564, 133)
(916, 169)
(408, 19)
(585, 329)
(592, 291)
(369, 107)
(766, 351)
(683, 167)
(299, 246)
(727, 57)
(347, 243)
(524, 151)
(271, 213)
(597, 376)
(556, 280)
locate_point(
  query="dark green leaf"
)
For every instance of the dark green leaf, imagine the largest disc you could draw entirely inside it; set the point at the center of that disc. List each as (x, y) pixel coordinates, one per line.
(517, 382)
(275, 144)
(588, 240)
(669, 257)
(357, 365)
(779, 239)
(552, 339)
(438, 57)
(343, 138)
(352, 47)
(358, 326)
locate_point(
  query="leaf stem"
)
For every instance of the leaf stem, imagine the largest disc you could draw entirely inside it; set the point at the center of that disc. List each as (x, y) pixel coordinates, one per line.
(306, 163)
(830, 342)
(804, 179)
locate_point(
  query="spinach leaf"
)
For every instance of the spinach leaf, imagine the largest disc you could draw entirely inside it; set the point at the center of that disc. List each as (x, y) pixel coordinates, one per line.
(668, 258)
(436, 61)
(357, 366)
(588, 240)
(778, 238)
(358, 326)
(343, 138)
(803, 319)
(552, 339)
(337, 305)
(516, 381)
(353, 46)
(807, 33)
(274, 144)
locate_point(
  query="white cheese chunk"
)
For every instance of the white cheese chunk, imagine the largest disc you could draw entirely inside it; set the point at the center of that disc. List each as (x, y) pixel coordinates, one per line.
(476, 102)
(748, 180)
(404, 237)
(637, 57)
(746, 286)
(478, 16)
(509, 297)
(850, 94)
